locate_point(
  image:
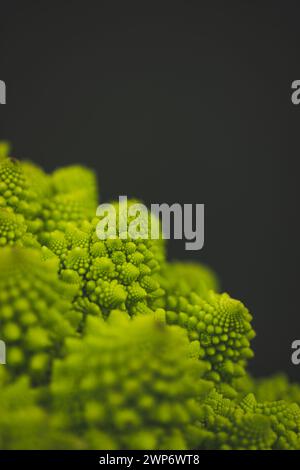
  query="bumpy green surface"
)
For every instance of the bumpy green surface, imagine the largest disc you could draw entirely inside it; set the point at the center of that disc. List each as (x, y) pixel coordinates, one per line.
(35, 312)
(222, 327)
(45, 202)
(111, 273)
(109, 345)
(22, 423)
(129, 384)
(12, 227)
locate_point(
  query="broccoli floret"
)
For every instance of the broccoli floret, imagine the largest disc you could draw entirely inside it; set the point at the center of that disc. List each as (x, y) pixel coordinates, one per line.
(45, 202)
(112, 273)
(35, 311)
(4, 149)
(14, 187)
(272, 388)
(226, 424)
(76, 178)
(130, 384)
(12, 227)
(181, 279)
(222, 327)
(23, 424)
(284, 418)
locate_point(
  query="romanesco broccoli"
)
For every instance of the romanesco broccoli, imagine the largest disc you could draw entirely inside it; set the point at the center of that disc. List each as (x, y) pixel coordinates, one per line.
(110, 345)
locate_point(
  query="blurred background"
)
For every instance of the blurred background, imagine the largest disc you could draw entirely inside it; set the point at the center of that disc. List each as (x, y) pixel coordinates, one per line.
(189, 104)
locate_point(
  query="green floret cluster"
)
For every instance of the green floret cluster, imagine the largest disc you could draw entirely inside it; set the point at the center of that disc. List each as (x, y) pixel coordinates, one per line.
(140, 389)
(111, 346)
(32, 299)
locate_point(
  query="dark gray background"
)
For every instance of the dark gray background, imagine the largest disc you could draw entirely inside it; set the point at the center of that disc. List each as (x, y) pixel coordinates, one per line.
(188, 104)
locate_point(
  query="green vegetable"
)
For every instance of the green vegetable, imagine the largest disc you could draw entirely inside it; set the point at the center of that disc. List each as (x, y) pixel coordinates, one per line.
(129, 384)
(111, 346)
(36, 311)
